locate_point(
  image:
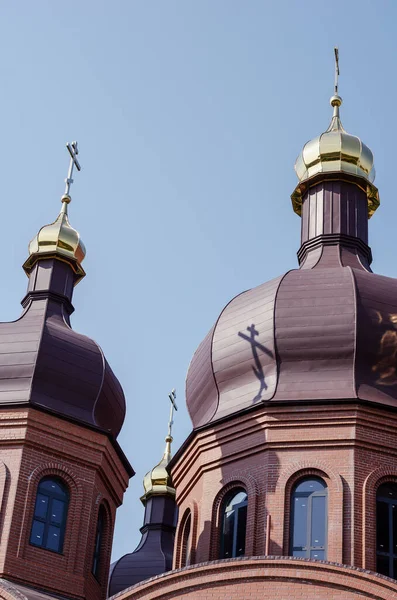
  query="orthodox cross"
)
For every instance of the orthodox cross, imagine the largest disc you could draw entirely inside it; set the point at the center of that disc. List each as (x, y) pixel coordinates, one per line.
(336, 51)
(172, 396)
(73, 151)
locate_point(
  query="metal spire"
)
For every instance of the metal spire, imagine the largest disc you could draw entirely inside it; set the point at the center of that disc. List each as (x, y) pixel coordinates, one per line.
(73, 151)
(336, 100)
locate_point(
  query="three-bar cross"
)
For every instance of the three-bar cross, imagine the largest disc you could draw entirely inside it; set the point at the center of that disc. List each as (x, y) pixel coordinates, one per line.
(336, 51)
(73, 151)
(172, 396)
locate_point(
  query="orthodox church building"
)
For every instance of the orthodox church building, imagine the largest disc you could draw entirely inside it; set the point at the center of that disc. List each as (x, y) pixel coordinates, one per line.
(286, 486)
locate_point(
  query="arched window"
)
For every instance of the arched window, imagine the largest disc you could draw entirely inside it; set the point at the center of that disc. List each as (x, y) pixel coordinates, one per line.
(186, 541)
(96, 562)
(233, 524)
(386, 529)
(50, 512)
(309, 519)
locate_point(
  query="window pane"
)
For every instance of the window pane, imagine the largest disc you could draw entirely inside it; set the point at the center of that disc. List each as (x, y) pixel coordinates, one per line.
(236, 499)
(310, 485)
(228, 529)
(382, 565)
(53, 538)
(317, 554)
(394, 540)
(394, 569)
(318, 522)
(299, 553)
(241, 526)
(57, 510)
(300, 522)
(186, 542)
(36, 536)
(382, 527)
(40, 510)
(387, 490)
(52, 486)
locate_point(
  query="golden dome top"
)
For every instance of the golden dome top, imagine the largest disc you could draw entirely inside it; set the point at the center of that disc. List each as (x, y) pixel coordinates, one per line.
(335, 152)
(58, 240)
(158, 480)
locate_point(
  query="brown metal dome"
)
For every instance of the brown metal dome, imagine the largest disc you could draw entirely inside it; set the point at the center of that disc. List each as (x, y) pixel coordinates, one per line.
(44, 363)
(325, 331)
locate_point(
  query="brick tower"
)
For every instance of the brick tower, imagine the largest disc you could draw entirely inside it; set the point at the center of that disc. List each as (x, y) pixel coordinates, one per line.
(62, 472)
(287, 485)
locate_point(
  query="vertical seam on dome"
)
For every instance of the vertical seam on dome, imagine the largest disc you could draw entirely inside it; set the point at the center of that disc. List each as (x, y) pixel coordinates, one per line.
(353, 278)
(211, 347)
(319, 258)
(38, 348)
(367, 269)
(102, 380)
(276, 354)
(340, 256)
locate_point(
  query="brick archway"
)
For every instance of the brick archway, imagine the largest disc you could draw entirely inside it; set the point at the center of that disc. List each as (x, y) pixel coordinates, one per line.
(72, 537)
(284, 487)
(371, 484)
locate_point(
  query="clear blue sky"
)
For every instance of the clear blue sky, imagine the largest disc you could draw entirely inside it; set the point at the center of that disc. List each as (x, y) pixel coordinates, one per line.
(189, 116)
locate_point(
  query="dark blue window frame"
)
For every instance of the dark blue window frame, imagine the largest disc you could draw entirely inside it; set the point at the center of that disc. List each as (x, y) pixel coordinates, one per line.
(233, 523)
(50, 515)
(386, 529)
(309, 517)
(96, 562)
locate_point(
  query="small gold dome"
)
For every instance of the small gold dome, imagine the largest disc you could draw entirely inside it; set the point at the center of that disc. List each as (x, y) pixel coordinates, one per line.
(336, 151)
(158, 480)
(60, 240)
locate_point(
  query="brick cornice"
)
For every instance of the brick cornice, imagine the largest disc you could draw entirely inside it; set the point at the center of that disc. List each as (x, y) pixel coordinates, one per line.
(246, 570)
(338, 426)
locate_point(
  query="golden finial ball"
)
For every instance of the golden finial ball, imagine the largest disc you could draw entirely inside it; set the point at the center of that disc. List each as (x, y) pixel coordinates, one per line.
(335, 100)
(66, 198)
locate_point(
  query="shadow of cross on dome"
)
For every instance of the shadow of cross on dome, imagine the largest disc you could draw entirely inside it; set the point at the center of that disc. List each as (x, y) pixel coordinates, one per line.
(255, 347)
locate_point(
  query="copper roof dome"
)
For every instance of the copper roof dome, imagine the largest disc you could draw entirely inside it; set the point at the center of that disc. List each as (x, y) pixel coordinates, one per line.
(326, 331)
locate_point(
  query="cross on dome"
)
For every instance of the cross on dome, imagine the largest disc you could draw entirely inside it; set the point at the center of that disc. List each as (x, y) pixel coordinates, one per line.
(73, 151)
(336, 52)
(171, 396)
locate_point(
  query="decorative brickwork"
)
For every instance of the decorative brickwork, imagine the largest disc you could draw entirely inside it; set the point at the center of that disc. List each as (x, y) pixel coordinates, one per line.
(287, 481)
(266, 450)
(371, 484)
(33, 445)
(181, 547)
(264, 578)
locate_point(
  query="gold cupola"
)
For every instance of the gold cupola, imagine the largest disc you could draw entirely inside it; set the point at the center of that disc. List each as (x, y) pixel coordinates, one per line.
(158, 480)
(59, 239)
(335, 154)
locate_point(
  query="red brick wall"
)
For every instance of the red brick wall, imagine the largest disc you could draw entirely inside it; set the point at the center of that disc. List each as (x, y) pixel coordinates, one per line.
(33, 445)
(264, 578)
(352, 447)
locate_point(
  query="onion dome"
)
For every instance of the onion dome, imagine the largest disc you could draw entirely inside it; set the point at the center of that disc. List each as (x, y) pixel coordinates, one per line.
(335, 152)
(154, 552)
(58, 239)
(158, 479)
(43, 361)
(324, 332)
